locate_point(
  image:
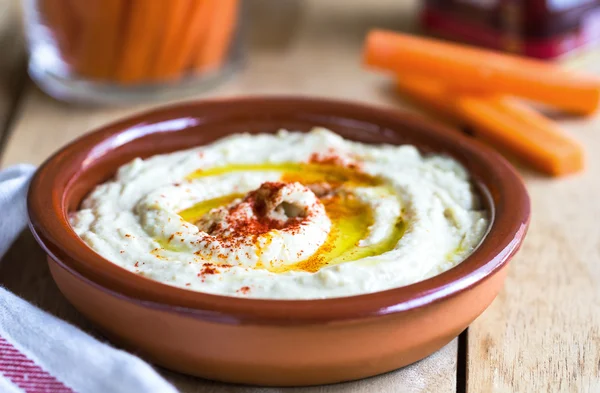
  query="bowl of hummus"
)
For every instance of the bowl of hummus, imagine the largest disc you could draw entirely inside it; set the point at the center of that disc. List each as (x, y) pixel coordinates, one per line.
(231, 238)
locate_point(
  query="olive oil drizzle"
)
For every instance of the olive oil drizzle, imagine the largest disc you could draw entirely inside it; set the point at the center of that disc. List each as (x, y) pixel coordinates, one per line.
(350, 217)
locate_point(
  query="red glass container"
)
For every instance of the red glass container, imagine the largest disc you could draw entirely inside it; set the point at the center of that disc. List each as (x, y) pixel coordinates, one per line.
(545, 29)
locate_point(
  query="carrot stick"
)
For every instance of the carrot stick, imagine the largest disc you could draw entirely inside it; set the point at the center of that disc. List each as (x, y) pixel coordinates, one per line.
(535, 139)
(431, 93)
(57, 15)
(97, 50)
(193, 28)
(479, 70)
(142, 29)
(215, 46)
(509, 125)
(174, 21)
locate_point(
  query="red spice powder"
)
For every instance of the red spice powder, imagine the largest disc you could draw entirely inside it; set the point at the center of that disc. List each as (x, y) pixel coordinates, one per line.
(208, 268)
(244, 290)
(242, 230)
(331, 157)
(326, 159)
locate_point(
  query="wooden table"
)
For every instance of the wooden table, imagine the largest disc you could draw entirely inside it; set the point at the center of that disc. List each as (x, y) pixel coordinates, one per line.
(543, 331)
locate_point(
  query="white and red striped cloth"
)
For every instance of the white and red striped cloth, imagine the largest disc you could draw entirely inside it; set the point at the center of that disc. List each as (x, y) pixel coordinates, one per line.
(40, 353)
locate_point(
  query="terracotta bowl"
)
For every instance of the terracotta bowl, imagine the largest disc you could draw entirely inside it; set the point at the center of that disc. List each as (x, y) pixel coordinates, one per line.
(271, 342)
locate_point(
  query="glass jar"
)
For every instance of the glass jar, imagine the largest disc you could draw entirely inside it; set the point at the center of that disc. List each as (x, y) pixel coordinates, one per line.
(545, 29)
(118, 51)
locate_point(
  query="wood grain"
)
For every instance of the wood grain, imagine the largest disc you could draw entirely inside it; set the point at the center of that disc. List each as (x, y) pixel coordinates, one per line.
(542, 333)
(307, 33)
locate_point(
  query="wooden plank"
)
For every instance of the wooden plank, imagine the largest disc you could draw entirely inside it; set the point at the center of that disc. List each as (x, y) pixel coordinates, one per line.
(312, 32)
(542, 333)
(12, 61)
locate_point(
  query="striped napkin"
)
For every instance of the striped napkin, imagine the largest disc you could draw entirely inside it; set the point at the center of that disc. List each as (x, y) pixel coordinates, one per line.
(41, 353)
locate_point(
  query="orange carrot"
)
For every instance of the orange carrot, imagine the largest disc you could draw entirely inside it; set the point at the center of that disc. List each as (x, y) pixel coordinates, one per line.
(432, 94)
(138, 41)
(97, 50)
(141, 31)
(506, 124)
(478, 70)
(174, 21)
(57, 15)
(525, 132)
(192, 30)
(214, 47)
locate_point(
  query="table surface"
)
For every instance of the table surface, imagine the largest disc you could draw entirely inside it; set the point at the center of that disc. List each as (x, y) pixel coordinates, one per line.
(541, 334)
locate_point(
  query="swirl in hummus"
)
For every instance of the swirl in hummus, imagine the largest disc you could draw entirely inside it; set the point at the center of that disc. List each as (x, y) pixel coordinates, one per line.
(286, 216)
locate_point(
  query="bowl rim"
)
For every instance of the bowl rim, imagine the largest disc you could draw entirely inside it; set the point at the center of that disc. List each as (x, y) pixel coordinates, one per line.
(48, 221)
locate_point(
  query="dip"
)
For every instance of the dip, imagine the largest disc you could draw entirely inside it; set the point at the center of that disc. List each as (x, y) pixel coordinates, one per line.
(286, 216)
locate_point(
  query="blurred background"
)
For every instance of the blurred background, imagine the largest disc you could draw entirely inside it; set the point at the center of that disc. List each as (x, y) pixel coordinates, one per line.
(128, 51)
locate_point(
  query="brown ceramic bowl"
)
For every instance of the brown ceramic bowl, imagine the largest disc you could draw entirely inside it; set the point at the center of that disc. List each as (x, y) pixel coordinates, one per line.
(271, 342)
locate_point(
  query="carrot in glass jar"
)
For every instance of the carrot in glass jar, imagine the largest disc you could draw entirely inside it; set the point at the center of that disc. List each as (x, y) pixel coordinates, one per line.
(192, 30)
(142, 29)
(215, 46)
(58, 16)
(101, 25)
(141, 41)
(174, 28)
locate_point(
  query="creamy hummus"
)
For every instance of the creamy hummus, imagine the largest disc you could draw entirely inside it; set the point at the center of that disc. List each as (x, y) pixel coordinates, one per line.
(292, 215)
